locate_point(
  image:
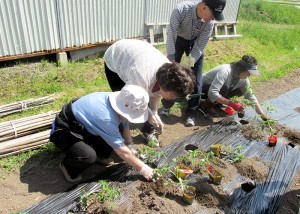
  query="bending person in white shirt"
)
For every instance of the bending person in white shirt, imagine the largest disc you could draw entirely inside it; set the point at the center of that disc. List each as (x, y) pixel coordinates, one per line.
(137, 62)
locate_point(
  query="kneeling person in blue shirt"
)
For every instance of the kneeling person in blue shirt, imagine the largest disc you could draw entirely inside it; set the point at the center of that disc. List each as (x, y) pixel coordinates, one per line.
(87, 129)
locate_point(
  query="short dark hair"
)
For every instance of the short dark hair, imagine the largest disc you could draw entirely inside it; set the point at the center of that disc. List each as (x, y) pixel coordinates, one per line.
(177, 78)
(243, 64)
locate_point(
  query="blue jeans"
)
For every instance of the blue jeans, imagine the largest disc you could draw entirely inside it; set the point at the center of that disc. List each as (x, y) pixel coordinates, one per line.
(183, 46)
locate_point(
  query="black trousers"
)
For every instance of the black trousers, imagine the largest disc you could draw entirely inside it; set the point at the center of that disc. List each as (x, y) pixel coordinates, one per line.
(116, 84)
(81, 147)
(183, 46)
(224, 91)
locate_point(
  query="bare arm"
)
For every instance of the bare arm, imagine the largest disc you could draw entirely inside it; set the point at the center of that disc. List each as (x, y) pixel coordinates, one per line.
(259, 111)
(223, 101)
(153, 103)
(125, 153)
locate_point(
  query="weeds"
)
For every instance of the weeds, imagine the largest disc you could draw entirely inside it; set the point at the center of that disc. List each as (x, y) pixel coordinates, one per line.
(234, 153)
(106, 197)
(267, 125)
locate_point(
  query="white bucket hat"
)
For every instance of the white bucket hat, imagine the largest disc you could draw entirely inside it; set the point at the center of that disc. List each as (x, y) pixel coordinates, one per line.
(131, 102)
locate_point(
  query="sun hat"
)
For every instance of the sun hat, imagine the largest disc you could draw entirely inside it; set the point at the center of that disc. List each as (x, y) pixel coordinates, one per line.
(131, 102)
(253, 70)
(217, 7)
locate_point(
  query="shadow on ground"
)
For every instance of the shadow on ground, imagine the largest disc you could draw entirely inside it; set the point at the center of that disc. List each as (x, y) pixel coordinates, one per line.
(42, 173)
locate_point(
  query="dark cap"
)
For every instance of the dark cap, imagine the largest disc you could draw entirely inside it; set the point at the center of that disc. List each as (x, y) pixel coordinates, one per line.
(217, 7)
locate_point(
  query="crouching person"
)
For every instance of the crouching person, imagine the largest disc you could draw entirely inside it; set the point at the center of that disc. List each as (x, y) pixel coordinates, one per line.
(229, 80)
(87, 130)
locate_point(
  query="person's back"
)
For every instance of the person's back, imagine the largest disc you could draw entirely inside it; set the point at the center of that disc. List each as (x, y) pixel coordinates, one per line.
(135, 61)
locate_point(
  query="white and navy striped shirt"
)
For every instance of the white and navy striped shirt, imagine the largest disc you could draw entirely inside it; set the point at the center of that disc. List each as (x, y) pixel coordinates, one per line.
(184, 23)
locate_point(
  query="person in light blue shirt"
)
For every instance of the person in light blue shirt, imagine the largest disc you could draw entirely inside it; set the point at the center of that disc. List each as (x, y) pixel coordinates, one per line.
(90, 128)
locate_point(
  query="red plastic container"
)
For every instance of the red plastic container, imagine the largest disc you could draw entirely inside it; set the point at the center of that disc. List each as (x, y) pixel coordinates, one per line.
(229, 110)
(272, 140)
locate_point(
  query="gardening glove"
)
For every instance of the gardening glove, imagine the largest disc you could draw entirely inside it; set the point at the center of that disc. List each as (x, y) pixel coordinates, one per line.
(155, 120)
(132, 148)
(236, 106)
(146, 171)
(265, 117)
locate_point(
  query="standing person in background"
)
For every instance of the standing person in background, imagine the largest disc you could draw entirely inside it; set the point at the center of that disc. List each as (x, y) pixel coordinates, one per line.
(87, 130)
(228, 80)
(131, 61)
(191, 25)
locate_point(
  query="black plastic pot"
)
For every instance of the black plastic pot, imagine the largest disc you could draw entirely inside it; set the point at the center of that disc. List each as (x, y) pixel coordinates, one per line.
(241, 114)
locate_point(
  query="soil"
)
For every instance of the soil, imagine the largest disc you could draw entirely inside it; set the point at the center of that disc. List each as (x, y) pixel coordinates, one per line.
(40, 176)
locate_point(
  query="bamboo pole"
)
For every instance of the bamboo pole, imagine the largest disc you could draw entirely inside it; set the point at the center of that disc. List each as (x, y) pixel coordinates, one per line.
(24, 146)
(17, 128)
(22, 150)
(26, 104)
(24, 140)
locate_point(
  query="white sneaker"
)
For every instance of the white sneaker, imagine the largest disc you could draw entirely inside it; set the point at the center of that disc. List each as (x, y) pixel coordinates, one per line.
(191, 119)
(151, 139)
(67, 176)
(165, 112)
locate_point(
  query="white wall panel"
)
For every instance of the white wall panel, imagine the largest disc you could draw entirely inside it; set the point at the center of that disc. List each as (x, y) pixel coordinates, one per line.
(32, 26)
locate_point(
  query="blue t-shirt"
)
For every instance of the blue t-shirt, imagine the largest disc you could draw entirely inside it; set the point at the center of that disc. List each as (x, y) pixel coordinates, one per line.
(96, 114)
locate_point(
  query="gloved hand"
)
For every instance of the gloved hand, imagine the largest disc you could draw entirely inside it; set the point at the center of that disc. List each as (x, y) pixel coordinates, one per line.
(146, 171)
(236, 106)
(155, 120)
(132, 148)
(265, 117)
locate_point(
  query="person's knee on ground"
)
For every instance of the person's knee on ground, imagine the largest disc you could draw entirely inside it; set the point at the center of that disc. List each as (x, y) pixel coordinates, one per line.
(72, 168)
(78, 158)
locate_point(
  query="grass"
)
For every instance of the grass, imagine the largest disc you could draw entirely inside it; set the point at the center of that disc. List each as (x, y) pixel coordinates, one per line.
(13, 162)
(273, 41)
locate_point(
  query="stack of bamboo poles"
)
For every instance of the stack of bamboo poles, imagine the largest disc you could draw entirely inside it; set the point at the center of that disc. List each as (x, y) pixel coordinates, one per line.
(26, 104)
(24, 143)
(21, 134)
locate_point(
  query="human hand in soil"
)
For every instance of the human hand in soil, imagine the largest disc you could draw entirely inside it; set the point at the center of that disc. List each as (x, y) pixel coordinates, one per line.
(236, 106)
(146, 171)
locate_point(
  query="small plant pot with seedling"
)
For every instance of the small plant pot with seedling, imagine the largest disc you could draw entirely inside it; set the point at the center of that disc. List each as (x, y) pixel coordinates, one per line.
(182, 171)
(189, 194)
(216, 149)
(215, 174)
(272, 140)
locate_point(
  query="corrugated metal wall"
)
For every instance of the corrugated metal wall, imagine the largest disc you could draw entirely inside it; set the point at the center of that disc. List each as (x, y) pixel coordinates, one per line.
(94, 21)
(231, 10)
(159, 11)
(30, 26)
